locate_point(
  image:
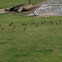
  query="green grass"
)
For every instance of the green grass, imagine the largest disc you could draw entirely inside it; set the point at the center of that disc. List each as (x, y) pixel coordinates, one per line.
(36, 44)
(10, 3)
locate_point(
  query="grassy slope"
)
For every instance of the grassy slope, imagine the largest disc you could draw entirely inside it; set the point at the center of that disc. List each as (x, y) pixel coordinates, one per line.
(10, 3)
(36, 44)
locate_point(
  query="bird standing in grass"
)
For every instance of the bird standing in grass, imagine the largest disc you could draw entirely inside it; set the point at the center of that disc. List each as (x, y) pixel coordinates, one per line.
(1, 26)
(11, 24)
(25, 29)
(24, 24)
(14, 27)
(51, 22)
(37, 25)
(42, 22)
(56, 23)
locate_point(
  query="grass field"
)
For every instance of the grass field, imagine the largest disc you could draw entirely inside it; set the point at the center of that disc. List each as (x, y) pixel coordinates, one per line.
(37, 44)
(10, 3)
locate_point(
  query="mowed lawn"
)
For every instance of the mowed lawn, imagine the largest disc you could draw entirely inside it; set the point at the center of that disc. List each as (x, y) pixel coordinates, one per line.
(38, 43)
(42, 43)
(10, 3)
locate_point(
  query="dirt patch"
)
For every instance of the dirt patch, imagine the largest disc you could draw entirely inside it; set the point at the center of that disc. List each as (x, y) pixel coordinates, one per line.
(2, 11)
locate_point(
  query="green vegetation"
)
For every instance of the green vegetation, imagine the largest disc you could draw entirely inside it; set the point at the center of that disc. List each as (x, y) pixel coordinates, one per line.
(37, 44)
(10, 3)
